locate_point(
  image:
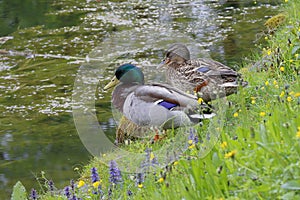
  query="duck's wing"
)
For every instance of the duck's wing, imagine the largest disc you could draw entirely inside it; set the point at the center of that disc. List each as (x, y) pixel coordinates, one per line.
(159, 92)
(208, 68)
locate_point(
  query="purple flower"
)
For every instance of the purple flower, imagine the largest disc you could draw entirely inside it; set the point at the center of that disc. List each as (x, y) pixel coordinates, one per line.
(94, 176)
(193, 137)
(67, 192)
(115, 173)
(140, 177)
(51, 186)
(129, 193)
(33, 194)
(150, 161)
(72, 185)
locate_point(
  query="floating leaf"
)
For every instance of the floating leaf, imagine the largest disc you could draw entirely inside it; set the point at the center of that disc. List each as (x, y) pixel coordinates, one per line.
(19, 192)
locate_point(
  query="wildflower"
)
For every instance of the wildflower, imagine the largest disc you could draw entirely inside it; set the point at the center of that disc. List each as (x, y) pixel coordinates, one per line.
(269, 52)
(266, 38)
(253, 101)
(67, 192)
(51, 186)
(281, 69)
(224, 145)
(72, 185)
(192, 146)
(236, 114)
(115, 173)
(274, 82)
(298, 132)
(160, 180)
(140, 185)
(150, 160)
(80, 184)
(129, 193)
(193, 139)
(200, 100)
(286, 1)
(262, 114)
(281, 94)
(296, 55)
(267, 83)
(175, 163)
(140, 179)
(33, 194)
(297, 94)
(96, 184)
(94, 176)
(289, 99)
(152, 156)
(230, 154)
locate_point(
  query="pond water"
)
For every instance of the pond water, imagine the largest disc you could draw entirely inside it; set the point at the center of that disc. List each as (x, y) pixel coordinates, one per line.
(51, 39)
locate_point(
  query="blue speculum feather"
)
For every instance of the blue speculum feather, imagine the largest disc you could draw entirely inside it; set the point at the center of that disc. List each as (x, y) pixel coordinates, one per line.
(203, 69)
(167, 105)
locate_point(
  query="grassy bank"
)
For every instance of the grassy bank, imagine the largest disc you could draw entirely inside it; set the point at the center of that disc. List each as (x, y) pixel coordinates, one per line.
(257, 155)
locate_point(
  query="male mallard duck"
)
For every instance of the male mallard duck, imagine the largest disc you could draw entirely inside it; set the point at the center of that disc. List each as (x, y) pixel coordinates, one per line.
(151, 105)
(208, 78)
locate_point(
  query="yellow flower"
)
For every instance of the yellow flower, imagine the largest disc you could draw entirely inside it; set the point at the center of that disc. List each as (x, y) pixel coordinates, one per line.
(281, 94)
(80, 184)
(161, 180)
(266, 38)
(223, 145)
(191, 146)
(236, 114)
(200, 100)
(289, 99)
(140, 185)
(267, 83)
(253, 101)
(297, 94)
(152, 156)
(230, 154)
(274, 82)
(281, 69)
(175, 163)
(262, 114)
(286, 1)
(269, 52)
(190, 141)
(296, 55)
(298, 134)
(96, 184)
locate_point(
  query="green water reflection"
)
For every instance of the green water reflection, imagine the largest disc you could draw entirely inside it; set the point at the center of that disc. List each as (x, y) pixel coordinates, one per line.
(37, 130)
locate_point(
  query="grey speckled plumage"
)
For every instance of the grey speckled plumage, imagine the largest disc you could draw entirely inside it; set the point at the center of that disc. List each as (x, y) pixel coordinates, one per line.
(208, 78)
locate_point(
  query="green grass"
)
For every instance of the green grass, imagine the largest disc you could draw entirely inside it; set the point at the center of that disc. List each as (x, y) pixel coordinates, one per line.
(257, 155)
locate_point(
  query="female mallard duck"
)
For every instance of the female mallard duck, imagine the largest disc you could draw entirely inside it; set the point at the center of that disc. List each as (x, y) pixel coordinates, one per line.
(151, 105)
(208, 78)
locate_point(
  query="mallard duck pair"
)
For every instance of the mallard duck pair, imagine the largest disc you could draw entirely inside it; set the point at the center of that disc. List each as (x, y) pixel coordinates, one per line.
(159, 105)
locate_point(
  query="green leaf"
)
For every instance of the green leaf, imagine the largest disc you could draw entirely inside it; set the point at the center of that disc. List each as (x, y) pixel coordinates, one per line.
(295, 49)
(19, 192)
(292, 185)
